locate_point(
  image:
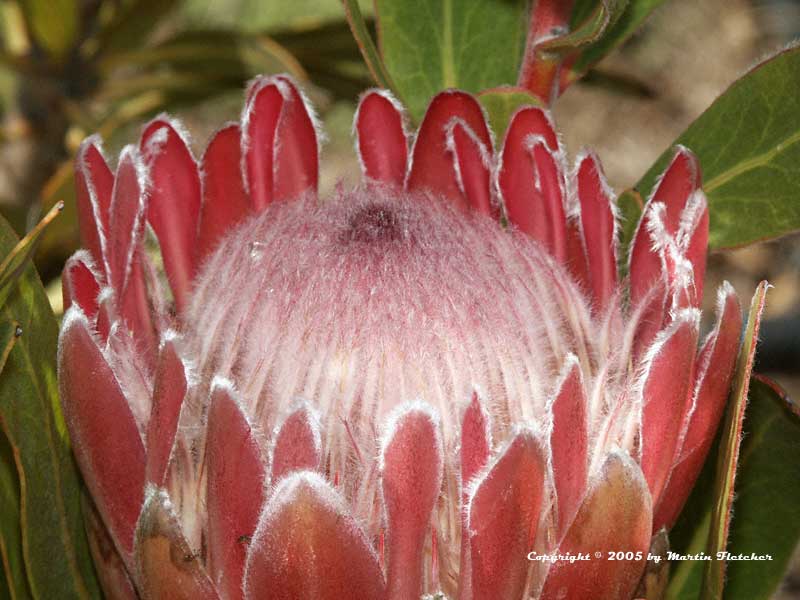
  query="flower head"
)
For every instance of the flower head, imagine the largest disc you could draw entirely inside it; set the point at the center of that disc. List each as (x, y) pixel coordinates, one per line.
(411, 387)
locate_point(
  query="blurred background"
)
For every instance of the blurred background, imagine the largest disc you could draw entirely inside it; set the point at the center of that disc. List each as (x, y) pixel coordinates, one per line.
(117, 63)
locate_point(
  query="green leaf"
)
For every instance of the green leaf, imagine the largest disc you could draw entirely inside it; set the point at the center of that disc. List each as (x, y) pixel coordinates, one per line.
(728, 458)
(368, 50)
(430, 45)
(13, 583)
(748, 143)
(54, 547)
(635, 13)
(766, 517)
(15, 262)
(10, 331)
(54, 24)
(589, 21)
(767, 513)
(501, 104)
(13, 566)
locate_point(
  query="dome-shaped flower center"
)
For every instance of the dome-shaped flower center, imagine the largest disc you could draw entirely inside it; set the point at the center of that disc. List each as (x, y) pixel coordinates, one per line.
(376, 298)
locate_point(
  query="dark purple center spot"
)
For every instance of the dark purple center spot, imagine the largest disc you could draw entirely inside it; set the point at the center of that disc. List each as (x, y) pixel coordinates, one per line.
(374, 223)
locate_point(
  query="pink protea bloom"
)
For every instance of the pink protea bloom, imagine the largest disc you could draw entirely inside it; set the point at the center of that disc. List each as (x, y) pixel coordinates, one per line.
(400, 390)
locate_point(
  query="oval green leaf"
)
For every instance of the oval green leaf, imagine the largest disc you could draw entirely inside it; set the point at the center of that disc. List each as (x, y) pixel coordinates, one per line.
(769, 491)
(430, 45)
(748, 143)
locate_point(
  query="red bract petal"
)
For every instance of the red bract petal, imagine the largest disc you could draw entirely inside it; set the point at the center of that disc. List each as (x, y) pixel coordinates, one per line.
(105, 438)
(503, 519)
(476, 448)
(166, 565)
(381, 138)
(712, 384)
(134, 308)
(128, 210)
(225, 201)
(682, 253)
(259, 142)
(598, 225)
(531, 180)
(105, 313)
(279, 142)
(673, 288)
(307, 545)
(174, 202)
(432, 166)
(236, 480)
(650, 318)
(168, 394)
(693, 239)
(569, 443)
(472, 164)
(577, 261)
(616, 516)
(93, 183)
(411, 478)
(549, 179)
(297, 445)
(476, 441)
(110, 568)
(79, 283)
(666, 388)
(679, 182)
(297, 158)
(538, 209)
(528, 121)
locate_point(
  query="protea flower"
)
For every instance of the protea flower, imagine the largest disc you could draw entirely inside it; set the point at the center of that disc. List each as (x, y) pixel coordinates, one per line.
(418, 386)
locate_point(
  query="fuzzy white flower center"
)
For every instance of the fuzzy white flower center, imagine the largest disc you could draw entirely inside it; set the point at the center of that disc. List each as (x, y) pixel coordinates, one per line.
(373, 299)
